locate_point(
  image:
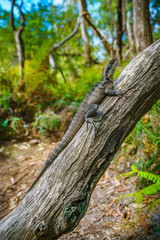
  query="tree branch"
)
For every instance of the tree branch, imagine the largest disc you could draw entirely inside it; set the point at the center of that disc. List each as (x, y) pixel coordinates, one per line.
(12, 16)
(97, 32)
(54, 47)
(59, 201)
(22, 25)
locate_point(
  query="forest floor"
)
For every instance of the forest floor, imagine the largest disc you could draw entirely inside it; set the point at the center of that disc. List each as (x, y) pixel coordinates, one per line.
(105, 219)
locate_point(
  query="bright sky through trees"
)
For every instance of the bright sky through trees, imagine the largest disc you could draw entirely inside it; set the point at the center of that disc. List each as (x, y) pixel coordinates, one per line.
(6, 4)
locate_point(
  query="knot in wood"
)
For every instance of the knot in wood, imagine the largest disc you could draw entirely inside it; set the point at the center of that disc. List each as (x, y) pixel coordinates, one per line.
(40, 229)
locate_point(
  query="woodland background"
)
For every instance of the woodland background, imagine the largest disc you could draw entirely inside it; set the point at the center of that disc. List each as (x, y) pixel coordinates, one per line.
(43, 80)
(32, 91)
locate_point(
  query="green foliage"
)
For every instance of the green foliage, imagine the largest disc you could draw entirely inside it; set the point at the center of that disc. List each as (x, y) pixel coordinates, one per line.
(8, 82)
(5, 85)
(78, 88)
(3, 124)
(37, 72)
(147, 125)
(46, 122)
(11, 126)
(149, 190)
(143, 144)
(46, 24)
(7, 42)
(5, 101)
(149, 176)
(16, 123)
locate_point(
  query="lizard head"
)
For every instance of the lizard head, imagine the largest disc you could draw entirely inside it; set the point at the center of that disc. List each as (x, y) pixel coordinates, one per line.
(109, 69)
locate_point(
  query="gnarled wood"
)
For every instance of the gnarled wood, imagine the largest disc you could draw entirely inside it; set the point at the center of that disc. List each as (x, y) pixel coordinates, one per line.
(58, 202)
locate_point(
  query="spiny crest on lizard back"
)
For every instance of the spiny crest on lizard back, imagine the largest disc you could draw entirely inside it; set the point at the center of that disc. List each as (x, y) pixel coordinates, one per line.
(109, 69)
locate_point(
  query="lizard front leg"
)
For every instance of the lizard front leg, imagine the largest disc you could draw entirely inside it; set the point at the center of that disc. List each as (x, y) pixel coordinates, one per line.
(112, 92)
(92, 116)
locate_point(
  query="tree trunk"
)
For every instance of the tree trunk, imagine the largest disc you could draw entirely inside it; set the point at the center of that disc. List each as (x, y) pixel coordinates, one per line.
(87, 53)
(120, 27)
(18, 38)
(20, 52)
(113, 28)
(142, 26)
(123, 16)
(131, 49)
(60, 199)
(130, 31)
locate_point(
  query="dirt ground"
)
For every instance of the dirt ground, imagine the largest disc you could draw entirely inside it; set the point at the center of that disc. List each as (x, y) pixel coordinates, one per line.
(105, 219)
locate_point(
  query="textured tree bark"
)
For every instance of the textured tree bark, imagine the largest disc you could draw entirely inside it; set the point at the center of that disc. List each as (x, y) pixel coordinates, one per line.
(18, 38)
(87, 52)
(142, 26)
(59, 201)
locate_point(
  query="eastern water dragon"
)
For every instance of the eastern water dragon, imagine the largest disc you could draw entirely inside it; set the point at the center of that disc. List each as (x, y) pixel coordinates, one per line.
(88, 111)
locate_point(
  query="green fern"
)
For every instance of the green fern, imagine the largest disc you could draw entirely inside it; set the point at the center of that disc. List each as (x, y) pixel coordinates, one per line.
(149, 176)
(149, 190)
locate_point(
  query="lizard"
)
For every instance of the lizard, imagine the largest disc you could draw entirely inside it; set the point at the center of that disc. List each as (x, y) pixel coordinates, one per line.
(87, 112)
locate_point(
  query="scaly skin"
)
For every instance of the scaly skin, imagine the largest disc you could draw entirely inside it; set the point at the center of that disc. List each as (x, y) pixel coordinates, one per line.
(95, 95)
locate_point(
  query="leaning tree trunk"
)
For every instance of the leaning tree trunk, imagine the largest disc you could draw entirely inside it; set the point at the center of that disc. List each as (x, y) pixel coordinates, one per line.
(59, 201)
(142, 26)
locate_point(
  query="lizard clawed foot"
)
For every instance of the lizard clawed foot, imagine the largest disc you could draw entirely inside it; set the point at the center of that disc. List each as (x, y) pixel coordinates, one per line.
(92, 116)
(94, 125)
(121, 94)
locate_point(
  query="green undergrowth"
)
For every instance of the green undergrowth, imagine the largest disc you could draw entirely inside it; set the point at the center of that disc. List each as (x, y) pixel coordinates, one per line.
(25, 105)
(142, 149)
(45, 122)
(152, 189)
(142, 146)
